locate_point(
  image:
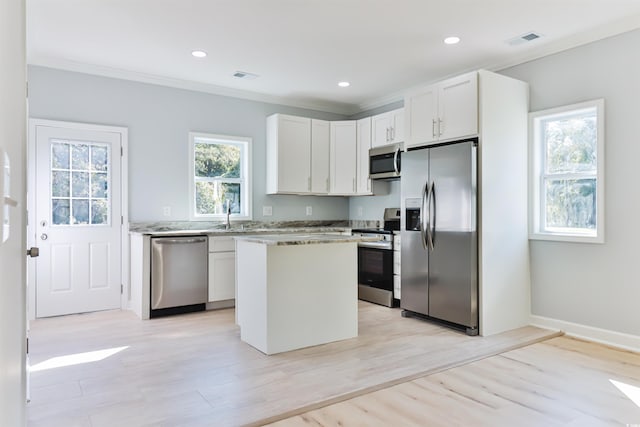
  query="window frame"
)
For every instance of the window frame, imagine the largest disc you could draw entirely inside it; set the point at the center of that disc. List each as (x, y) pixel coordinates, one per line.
(537, 175)
(245, 180)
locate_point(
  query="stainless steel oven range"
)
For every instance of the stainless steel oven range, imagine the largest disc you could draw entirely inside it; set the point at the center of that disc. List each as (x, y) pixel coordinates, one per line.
(375, 261)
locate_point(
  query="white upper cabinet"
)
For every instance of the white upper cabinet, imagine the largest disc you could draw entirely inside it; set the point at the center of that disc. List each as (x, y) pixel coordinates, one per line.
(444, 111)
(288, 154)
(343, 158)
(319, 156)
(387, 128)
(363, 144)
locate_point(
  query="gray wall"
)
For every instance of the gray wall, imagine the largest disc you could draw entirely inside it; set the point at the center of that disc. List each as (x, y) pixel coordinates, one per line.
(387, 195)
(159, 119)
(594, 284)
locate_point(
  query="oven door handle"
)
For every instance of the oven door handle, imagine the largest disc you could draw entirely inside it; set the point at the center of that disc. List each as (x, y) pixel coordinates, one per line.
(376, 245)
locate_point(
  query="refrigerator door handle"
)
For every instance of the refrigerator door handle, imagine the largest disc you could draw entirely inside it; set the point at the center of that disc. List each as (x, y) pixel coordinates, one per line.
(432, 216)
(424, 226)
(429, 222)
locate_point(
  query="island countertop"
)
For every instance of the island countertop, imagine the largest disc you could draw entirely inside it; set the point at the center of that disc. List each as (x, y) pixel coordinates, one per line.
(300, 239)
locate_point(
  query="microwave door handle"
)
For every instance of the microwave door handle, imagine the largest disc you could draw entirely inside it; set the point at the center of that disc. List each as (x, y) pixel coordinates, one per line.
(395, 161)
(423, 223)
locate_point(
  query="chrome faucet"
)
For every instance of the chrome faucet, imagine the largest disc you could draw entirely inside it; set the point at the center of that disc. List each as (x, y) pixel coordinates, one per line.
(228, 223)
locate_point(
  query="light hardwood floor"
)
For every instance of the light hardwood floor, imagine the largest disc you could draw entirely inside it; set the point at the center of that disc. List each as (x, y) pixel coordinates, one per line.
(559, 382)
(193, 370)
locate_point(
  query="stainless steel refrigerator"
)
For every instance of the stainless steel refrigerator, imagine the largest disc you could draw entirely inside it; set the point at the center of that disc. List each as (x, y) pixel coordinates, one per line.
(439, 235)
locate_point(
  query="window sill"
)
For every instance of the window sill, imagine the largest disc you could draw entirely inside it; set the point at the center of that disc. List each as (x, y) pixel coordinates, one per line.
(569, 238)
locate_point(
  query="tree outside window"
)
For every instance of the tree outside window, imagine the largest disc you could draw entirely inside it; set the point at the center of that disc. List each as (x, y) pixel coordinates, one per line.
(220, 176)
(567, 173)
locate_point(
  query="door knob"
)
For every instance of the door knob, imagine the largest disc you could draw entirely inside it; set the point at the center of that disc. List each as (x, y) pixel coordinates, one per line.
(33, 252)
(44, 236)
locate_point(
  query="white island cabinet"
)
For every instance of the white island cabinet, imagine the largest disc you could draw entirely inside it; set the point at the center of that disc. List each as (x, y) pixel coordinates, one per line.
(296, 291)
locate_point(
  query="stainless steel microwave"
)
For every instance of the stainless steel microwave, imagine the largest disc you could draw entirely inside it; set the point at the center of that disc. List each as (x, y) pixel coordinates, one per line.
(384, 162)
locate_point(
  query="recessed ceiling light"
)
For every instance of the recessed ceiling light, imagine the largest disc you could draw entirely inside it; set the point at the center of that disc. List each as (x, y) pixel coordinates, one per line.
(199, 53)
(344, 84)
(452, 40)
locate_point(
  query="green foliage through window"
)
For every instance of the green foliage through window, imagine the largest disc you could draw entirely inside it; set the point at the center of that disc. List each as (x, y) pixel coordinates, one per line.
(219, 176)
(568, 194)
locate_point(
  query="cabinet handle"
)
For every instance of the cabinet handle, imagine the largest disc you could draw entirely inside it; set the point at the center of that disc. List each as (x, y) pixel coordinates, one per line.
(433, 128)
(440, 127)
(387, 134)
(327, 185)
(393, 134)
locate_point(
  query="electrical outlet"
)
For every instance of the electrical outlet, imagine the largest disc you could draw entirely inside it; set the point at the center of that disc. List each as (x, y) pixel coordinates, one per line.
(309, 211)
(267, 211)
(166, 211)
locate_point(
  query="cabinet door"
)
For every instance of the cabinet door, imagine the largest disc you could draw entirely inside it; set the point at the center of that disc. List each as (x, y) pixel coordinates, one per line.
(319, 156)
(288, 154)
(421, 115)
(222, 276)
(458, 106)
(380, 130)
(397, 125)
(363, 144)
(343, 157)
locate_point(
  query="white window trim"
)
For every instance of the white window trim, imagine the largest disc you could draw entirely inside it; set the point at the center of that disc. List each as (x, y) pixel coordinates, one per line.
(535, 172)
(246, 194)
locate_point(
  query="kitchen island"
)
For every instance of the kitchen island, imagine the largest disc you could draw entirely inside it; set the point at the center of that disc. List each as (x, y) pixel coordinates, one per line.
(296, 291)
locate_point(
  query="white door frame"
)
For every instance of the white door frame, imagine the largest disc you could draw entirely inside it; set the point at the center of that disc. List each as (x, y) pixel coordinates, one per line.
(31, 204)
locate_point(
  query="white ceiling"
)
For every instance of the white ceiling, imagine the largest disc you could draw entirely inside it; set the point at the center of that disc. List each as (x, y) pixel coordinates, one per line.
(301, 49)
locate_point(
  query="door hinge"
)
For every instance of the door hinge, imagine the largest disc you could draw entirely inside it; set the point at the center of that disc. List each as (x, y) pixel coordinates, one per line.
(121, 288)
(121, 151)
(121, 220)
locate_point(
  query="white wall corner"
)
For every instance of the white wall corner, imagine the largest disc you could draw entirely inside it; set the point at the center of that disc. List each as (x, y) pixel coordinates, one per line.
(590, 333)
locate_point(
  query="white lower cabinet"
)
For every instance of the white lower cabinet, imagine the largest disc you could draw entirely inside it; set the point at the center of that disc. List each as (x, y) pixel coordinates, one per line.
(222, 269)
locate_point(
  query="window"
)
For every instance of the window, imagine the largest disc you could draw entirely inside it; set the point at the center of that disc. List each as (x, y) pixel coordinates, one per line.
(79, 183)
(220, 176)
(567, 173)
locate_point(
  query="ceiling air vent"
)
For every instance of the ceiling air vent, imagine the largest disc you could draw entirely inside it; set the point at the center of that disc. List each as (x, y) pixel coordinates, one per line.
(245, 75)
(524, 38)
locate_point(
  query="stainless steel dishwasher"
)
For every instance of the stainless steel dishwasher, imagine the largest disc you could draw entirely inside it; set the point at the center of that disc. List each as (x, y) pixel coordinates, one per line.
(179, 274)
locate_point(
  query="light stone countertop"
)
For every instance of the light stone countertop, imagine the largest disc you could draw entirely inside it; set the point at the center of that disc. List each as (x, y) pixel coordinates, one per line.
(238, 229)
(302, 239)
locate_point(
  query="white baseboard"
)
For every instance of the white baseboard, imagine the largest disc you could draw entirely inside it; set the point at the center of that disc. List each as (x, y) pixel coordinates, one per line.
(590, 333)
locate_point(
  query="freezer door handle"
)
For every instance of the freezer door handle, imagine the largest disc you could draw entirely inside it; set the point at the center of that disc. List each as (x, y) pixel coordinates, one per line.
(423, 210)
(431, 201)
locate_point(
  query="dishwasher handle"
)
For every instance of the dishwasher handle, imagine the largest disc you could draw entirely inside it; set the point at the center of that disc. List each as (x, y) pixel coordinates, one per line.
(179, 241)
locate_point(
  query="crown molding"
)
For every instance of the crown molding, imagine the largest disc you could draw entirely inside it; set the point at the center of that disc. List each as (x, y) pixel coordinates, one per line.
(100, 70)
(612, 29)
(625, 25)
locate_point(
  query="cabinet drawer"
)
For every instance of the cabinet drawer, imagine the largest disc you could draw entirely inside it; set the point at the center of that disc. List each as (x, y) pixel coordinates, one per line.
(222, 244)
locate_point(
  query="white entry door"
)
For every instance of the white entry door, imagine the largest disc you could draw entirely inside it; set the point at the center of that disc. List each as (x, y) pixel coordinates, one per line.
(78, 214)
